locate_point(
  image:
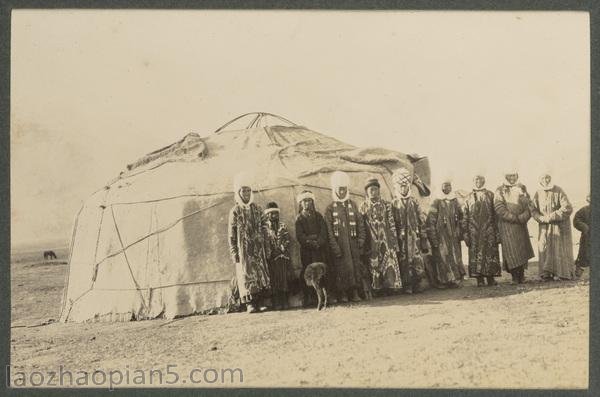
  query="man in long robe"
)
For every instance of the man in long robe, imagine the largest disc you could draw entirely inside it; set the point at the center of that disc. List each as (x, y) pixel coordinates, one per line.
(311, 233)
(278, 256)
(346, 231)
(444, 232)
(247, 247)
(410, 227)
(511, 203)
(551, 208)
(581, 221)
(382, 240)
(480, 233)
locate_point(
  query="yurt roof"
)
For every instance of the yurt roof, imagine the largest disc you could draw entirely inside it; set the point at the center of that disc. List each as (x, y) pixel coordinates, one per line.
(272, 149)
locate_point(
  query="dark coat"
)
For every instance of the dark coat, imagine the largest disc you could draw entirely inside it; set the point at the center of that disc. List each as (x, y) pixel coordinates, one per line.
(581, 221)
(311, 233)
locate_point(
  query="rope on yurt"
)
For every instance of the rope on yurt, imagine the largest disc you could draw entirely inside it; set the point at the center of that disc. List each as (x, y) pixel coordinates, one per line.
(196, 195)
(127, 260)
(158, 249)
(148, 247)
(157, 231)
(170, 198)
(95, 270)
(75, 301)
(68, 275)
(164, 286)
(73, 235)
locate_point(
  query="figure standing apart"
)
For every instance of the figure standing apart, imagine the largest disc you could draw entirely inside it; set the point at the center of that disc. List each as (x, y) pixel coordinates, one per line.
(551, 208)
(581, 221)
(511, 203)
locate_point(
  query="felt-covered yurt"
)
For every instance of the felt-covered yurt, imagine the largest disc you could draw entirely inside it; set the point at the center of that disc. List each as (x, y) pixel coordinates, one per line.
(153, 241)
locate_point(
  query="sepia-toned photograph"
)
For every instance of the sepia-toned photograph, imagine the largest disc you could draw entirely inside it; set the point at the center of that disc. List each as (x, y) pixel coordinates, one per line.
(299, 198)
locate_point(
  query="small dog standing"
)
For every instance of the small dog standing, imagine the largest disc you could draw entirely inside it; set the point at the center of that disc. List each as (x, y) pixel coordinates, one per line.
(314, 276)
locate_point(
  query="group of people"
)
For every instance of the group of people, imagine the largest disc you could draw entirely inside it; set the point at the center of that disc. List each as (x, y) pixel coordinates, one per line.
(388, 247)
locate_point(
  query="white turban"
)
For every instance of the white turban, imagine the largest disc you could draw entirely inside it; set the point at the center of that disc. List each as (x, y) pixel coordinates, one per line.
(479, 175)
(240, 180)
(339, 179)
(543, 184)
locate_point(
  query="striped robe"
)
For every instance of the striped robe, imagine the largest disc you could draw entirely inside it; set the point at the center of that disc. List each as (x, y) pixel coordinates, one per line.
(552, 210)
(511, 204)
(445, 232)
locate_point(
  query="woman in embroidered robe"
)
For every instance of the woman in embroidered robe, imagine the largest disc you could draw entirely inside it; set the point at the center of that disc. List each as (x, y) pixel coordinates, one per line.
(409, 220)
(511, 203)
(346, 232)
(551, 208)
(382, 240)
(445, 233)
(480, 233)
(247, 247)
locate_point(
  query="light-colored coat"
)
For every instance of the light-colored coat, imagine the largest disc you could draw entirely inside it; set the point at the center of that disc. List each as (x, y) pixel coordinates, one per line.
(552, 210)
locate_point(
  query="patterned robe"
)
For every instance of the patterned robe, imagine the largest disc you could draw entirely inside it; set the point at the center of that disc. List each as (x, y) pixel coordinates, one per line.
(248, 252)
(278, 255)
(444, 231)
(581, 221)
(511, 204)
(346, 242)
(552, 209)
(382, 244)
(410, 227)
(480, 232)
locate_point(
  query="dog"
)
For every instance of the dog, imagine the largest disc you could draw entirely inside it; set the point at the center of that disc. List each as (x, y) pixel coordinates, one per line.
(314, 276)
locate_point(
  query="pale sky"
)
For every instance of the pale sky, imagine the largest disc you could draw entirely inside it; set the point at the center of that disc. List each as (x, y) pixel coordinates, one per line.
(92, 91)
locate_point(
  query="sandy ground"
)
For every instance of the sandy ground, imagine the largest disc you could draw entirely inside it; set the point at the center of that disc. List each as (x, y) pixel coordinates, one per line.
(534, 335)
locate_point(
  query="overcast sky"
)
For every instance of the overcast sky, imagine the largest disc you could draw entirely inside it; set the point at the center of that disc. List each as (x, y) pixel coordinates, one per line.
(92, 91)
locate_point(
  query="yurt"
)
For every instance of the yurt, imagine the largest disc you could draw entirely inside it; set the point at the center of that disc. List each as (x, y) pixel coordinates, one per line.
(152, 243)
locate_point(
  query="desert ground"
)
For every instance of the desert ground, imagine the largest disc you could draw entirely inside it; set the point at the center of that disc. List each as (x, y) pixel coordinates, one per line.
(532, 335)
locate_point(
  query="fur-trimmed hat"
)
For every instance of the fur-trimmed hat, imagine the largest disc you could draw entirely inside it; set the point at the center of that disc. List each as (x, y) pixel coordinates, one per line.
(306, 194)
(271, 207)
(372, 182)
